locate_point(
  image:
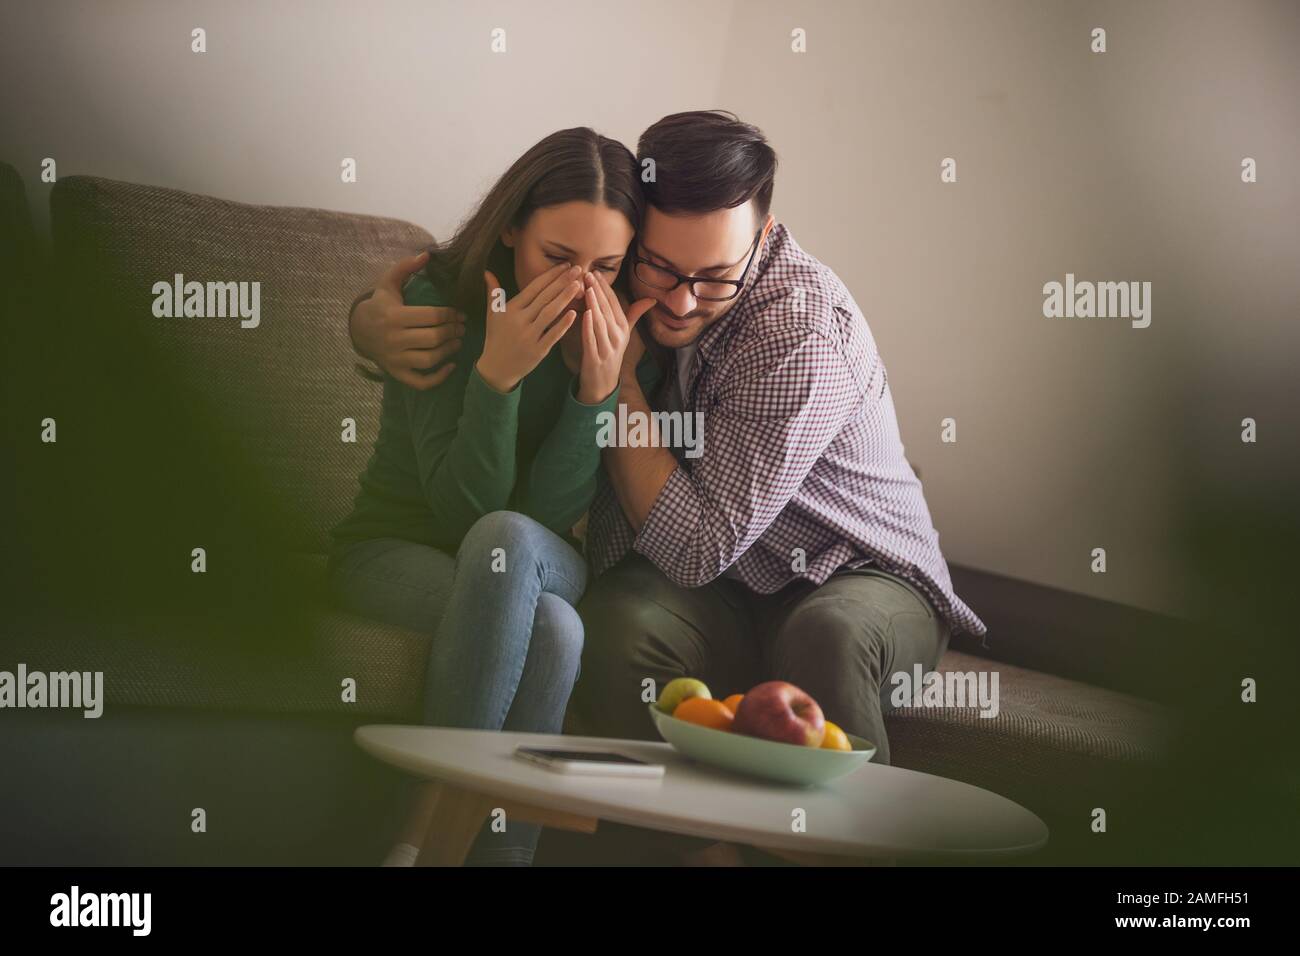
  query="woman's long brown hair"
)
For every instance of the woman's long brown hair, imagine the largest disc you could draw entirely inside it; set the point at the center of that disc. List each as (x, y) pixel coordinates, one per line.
(571, 165)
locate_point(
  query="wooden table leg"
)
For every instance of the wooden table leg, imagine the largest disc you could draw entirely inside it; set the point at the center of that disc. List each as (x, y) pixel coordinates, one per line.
(454, 816)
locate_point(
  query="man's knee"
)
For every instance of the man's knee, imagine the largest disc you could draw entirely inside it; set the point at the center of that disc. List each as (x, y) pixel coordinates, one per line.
(831, 631)
(629, 597)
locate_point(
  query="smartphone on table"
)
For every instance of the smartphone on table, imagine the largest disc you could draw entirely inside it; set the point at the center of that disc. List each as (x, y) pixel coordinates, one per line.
(589, 762)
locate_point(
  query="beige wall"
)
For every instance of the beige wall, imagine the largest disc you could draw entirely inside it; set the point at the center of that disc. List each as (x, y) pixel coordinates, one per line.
(409, 88)
(1115, 166)
(1122, 166)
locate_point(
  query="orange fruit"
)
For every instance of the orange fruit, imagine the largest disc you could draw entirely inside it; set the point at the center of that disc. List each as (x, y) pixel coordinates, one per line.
(733, 702)
(835, 738)
(706, 712)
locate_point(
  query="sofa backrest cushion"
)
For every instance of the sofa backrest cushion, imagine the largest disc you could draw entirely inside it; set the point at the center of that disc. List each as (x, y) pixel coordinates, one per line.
(283, 387)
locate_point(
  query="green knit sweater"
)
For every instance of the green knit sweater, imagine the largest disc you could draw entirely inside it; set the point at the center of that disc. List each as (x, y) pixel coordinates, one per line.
(449, 455)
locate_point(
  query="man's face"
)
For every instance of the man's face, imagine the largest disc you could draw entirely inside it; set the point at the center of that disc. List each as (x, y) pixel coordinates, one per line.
(714, 245)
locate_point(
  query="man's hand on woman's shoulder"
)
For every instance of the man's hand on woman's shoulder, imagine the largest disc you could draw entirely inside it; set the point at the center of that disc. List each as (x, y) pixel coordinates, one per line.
(406, 341)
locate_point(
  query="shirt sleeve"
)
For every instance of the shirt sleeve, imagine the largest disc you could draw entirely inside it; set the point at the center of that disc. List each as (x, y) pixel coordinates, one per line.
(463, 435)
(784, 399)
(562, 479)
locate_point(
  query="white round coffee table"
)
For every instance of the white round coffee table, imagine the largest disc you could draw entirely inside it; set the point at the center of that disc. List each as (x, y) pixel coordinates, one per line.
(876, 814)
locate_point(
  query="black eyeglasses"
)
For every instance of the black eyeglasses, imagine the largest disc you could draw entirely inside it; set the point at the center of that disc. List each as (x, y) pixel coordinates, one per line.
(705, 289)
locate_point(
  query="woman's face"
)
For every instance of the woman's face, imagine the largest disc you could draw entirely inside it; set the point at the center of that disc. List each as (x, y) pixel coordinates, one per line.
(590, 236)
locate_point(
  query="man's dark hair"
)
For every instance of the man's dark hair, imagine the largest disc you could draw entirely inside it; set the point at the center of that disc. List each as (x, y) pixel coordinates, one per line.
(707, 160)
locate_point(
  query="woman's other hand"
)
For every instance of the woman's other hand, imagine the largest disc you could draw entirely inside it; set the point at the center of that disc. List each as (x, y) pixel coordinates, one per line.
(607, 334)
(519, 336)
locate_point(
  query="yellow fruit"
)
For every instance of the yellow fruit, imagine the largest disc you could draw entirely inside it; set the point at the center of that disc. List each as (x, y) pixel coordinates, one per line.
(835, 738)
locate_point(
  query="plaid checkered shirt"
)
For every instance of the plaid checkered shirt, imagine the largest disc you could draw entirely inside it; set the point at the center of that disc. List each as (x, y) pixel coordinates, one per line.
(802, 471)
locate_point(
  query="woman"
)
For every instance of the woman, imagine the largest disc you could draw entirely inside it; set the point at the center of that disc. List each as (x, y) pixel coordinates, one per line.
(461, 528)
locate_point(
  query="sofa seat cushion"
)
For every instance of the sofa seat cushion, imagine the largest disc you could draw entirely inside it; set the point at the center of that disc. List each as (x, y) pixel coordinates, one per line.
(170, 662)
(1038, 713)
(1060, 747)
(1048, 730)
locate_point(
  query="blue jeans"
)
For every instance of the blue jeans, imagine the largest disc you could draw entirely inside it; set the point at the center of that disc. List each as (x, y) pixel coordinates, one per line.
(507, 642)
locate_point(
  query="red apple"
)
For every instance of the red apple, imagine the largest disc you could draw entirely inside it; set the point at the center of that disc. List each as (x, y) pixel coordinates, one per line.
(782, 712)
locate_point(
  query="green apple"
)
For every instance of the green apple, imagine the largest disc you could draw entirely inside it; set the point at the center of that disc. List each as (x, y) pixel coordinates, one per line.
(679, 690)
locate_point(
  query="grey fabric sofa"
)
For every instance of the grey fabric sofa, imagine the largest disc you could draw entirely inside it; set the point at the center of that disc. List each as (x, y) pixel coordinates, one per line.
(176, 433)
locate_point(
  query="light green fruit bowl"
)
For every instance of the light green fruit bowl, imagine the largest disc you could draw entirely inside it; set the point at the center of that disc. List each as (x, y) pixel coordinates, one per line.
(788, 763)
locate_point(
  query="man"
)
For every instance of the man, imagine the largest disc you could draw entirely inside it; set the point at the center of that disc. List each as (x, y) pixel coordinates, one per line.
(797, 544)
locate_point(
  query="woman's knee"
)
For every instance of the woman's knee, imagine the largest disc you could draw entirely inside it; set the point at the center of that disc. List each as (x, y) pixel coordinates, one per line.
(508, 532)
(505, 542)
(557, 632)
